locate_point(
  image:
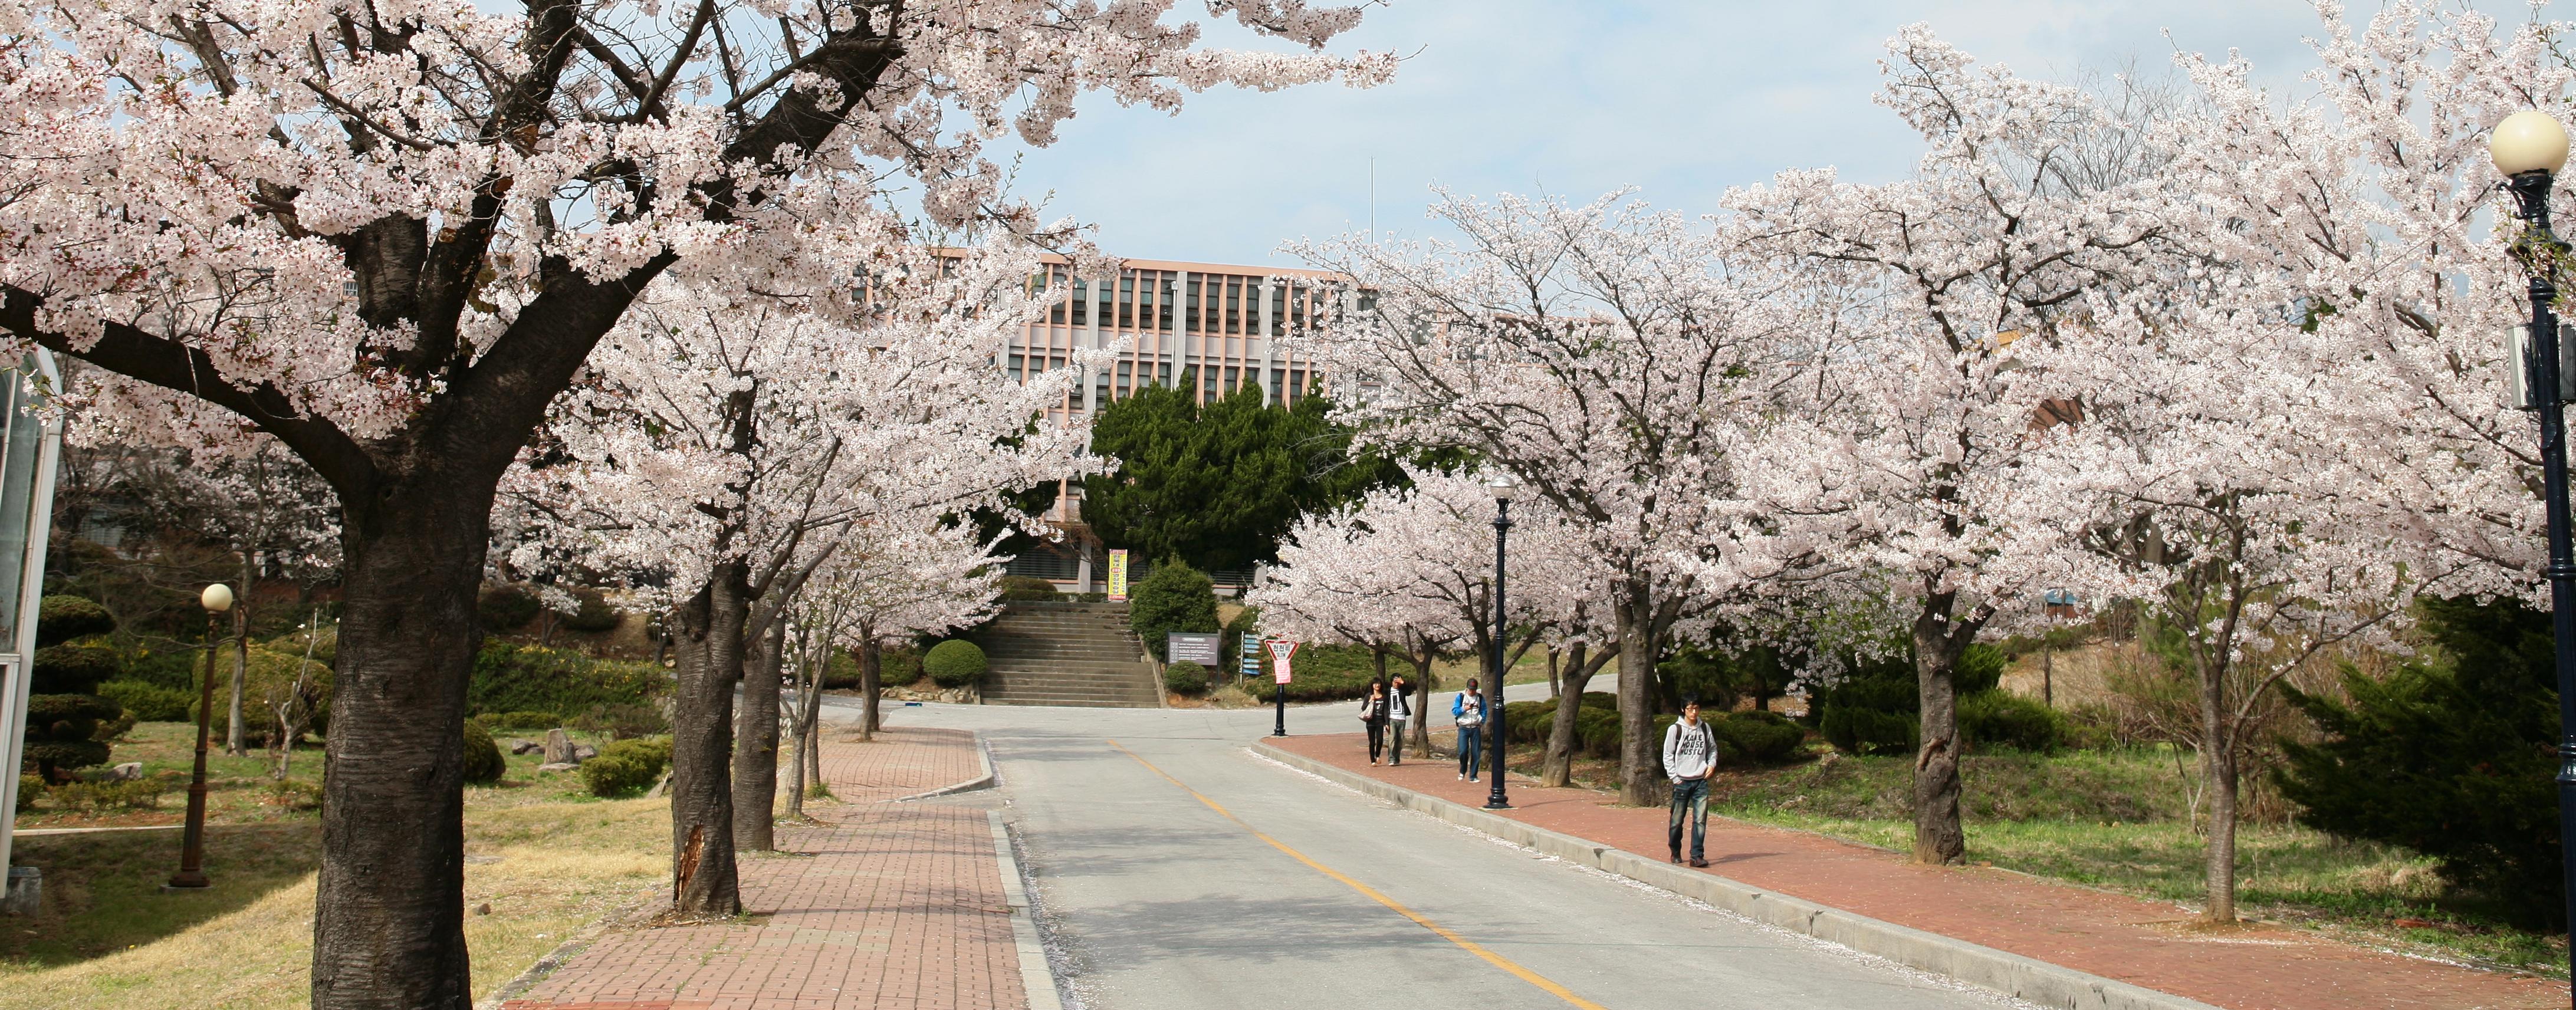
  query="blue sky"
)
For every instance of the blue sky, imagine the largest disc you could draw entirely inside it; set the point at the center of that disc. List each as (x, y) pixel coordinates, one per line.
(1577, 97)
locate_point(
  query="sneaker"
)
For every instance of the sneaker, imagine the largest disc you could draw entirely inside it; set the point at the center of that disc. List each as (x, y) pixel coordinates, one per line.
(1698, 863)
(1462, 775)
(1471, 778)
(1677, 859)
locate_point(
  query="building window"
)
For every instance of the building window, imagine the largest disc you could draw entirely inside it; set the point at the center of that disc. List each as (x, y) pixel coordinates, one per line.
(1126, 375)
(1017, 369)
(1234, 306)
(1162, 373)
(1163, 305)
(1233, 378)
(1081, 303)
(1127, 301)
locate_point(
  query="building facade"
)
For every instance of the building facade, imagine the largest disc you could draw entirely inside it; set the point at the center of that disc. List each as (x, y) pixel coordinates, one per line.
(1218, 327)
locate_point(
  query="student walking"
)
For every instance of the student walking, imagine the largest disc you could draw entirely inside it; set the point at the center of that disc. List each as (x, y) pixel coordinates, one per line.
(1399, 710)
(1468, 709)
(1690, 754)
(1373, 716)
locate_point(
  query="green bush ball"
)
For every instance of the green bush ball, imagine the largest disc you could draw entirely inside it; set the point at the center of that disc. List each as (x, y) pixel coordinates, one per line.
(626, 766)
(148, 702)
(1185, 678)
(483, 763)
(954, 663)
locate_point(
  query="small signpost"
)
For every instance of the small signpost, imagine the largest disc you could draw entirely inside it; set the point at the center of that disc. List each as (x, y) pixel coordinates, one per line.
(1192, 647)
(1118, 576)
(1281, 650)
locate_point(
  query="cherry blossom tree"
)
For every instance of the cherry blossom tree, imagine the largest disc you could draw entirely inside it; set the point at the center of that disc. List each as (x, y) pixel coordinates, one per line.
(1610, 359)
(897, 581)
(720, 450)
(387, 236)
(1409, 570)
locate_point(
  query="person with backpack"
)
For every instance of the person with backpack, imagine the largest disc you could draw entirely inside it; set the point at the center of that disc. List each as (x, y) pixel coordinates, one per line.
(1468, 710)
(1399, 710)
(1690, 754)
(1373, 718)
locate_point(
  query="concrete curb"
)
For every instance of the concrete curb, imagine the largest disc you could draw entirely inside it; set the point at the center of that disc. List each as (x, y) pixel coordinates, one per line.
(1037, 978)
(987, 780)
(2008, 973)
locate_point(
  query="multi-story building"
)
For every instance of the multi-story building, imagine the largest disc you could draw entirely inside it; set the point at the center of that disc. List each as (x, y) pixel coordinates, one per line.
(1222, 327)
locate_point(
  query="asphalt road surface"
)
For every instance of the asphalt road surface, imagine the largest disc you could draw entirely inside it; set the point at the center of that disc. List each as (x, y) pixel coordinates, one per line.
(1175, 870)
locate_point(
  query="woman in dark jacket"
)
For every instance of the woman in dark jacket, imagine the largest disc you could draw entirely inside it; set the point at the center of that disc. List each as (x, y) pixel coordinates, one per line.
(1373, 716)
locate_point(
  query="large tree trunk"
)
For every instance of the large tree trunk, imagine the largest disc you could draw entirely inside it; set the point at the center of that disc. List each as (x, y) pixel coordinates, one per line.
(388, 927)
(1558, 772)
(2218, 774)
(709, 629)
(1422, 659)
(755, 754)
(1640, 764)
(871, 656)
(1938, 836)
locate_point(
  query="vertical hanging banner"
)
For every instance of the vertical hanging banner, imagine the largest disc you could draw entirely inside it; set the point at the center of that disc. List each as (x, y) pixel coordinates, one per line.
(1118, 576)
(1280, 651)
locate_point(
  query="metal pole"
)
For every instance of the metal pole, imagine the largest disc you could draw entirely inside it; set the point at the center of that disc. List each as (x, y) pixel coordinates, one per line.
(1494, 686)
(192, 844)
(2532, 189)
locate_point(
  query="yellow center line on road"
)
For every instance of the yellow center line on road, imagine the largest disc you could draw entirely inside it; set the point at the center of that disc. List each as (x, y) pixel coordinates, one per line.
(1470, 946)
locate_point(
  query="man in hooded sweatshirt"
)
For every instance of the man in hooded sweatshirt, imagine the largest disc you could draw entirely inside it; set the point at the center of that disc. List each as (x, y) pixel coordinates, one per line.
(1690, 754)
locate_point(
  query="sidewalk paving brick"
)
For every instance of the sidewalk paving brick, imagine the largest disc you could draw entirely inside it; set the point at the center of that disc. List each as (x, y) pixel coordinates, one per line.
(892, 905)
(2133, 940)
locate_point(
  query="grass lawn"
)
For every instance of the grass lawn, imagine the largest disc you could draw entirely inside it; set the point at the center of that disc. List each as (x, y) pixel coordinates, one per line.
(2119, 820)
(540, 851)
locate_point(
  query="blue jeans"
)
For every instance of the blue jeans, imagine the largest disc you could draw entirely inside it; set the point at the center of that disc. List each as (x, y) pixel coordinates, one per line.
(1690, 799)
(1471, 750)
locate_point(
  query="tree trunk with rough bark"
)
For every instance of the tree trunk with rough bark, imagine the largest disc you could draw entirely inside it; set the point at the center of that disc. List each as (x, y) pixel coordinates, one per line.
(1421, 659)
(1558, 771)
(233, 744)
(1640, 764)
(709, 629)
(2218, 775)
(1939, 838)
(388, 928)
(755, 754)
(871, 658)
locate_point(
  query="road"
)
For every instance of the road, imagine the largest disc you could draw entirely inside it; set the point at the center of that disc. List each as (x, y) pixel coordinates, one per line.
(1175, 869)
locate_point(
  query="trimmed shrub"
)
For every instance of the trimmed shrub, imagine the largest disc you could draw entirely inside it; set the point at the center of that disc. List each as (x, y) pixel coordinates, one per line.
(483, 763)
(1029, 588)
(1596, 731)
(509, 677)
(626, 766)
(147, 702)
(1759, 737)
(1528, 721)
(593, 614)
(1324, 673)
(60, 619)
(175, 669)
(74, 668)
(1185, 677)
(57, 756)
(1999, 718)
(111, 730)
(506, 607)
(1176, 597)
(519, 720)
(271, 678)
(94, 797)
(621, 722)
(955, 663)
(897, 665)
(30, 789)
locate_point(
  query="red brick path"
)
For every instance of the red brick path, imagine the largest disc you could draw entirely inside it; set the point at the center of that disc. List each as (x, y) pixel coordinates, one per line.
(892, 905)
(2133, 940)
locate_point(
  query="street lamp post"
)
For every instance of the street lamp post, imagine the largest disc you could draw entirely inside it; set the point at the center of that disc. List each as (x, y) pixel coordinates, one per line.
(217, 599)
(1503, 486)
(2529, 147)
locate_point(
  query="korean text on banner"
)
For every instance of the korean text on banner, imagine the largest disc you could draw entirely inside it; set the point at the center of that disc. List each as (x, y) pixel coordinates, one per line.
(1118, 576)
(1280, 652)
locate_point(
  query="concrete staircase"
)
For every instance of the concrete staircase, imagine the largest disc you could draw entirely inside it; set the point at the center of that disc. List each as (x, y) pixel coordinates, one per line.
(1066, 653)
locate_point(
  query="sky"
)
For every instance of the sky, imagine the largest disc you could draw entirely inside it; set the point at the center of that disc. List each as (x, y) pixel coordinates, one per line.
(1576, 98)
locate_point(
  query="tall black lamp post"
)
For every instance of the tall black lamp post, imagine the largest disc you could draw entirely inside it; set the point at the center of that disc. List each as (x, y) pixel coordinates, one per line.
(1503, 486)
(2529, 147)
(217, 599)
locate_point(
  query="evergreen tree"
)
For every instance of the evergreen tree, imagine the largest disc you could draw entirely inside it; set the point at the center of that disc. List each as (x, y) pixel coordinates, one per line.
(1217, 484)
(2451, 756)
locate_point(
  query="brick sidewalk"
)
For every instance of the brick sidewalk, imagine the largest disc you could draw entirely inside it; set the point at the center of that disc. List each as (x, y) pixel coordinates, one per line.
(890, 905)
(2132, 940)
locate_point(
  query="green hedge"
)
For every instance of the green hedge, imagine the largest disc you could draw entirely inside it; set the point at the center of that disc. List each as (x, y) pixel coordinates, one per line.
(483, 763)
(627, 766)
(954, 663)
(1185, 677)
(519, 720)
(1175, 597)
(2002, 719)
(592, 613)
(1324, 673)
(147, 702)
(1029, 588)
(509, 677)
(506, 607)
